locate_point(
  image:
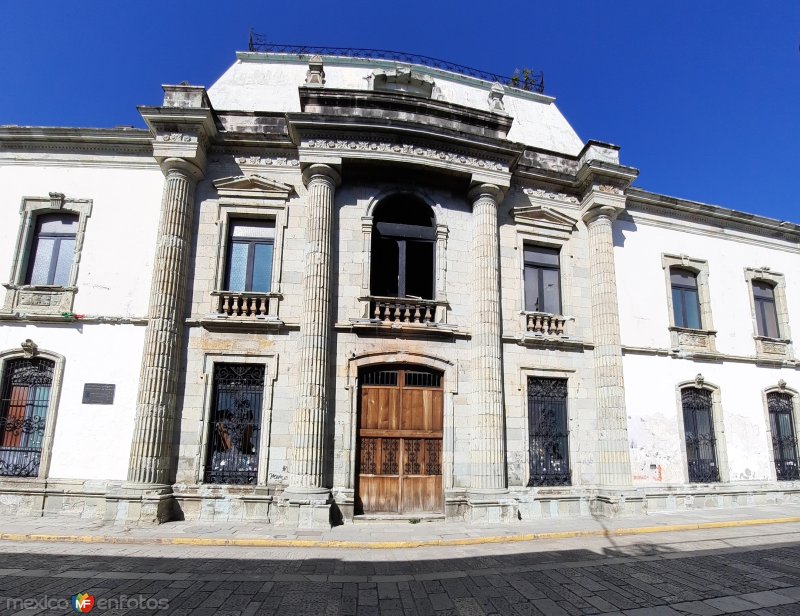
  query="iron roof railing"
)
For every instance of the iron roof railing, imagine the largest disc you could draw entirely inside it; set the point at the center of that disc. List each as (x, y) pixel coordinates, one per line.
(526, 79)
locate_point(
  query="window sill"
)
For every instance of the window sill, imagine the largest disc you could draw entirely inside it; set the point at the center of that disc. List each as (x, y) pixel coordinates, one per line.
(378, 326)
(41, 300)
(688, 339)
(773, 348)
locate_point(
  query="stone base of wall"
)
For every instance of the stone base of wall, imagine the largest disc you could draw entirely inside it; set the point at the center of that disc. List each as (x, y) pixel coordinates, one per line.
(56, 497)
(212, 503)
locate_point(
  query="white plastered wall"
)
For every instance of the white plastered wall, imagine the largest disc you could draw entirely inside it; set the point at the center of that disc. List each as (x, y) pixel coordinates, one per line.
(92, 441)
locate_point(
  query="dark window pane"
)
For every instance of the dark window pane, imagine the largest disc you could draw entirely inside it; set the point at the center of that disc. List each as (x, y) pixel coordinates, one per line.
(541, 256)
(769, 319)
(59, 224)
(683, 278)
(384, 267)
(419, 269)
(531, 288)
(692, 307)
(550, 291)
(763, 290)
(262, 268)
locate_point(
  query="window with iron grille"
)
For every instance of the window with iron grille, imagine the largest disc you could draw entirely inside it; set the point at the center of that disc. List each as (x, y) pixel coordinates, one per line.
(23, 415)
(542, 280)
(698, 426)
(250, 256)
(52, 250)
(685, 298)
(235, 424)
(548, 434)
(784, 438)
(766, 314)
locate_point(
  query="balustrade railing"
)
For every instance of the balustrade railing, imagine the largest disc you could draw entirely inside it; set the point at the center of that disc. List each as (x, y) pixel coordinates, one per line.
(402, 310)
(244, 304)
(545, 323)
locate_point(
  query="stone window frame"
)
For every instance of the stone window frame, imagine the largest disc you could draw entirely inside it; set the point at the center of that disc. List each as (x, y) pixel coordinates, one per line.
(780, 388)
(685, 338)
(530, 237)
(32, 351)
(573, 391)
(440, 254)
(767, 347)
(266, 211)
(270, 363)
(721, 449)
(44, 299)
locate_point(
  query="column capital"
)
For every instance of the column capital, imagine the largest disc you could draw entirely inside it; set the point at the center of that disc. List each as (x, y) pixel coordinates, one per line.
(601, 211)
(320, 169)
(181, 165)
(486, 190)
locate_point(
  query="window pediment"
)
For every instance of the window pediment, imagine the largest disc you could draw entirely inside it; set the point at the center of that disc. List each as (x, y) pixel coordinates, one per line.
(249, 187)
(544, 217)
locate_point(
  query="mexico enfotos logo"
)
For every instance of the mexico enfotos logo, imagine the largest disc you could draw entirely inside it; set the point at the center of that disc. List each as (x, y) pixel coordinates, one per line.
(83, 603)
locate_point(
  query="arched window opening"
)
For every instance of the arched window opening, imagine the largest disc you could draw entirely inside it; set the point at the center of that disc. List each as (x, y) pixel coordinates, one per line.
(784, 440)
(403, 249)
(698, 426)
(23, 415)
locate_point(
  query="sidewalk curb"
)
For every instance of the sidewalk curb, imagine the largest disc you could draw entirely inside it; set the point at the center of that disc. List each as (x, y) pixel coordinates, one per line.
(300, 543)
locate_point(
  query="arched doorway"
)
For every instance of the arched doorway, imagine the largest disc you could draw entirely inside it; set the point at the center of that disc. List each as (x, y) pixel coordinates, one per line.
(400, 428)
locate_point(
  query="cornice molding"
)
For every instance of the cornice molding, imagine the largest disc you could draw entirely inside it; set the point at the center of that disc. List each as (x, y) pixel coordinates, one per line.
(681, 211)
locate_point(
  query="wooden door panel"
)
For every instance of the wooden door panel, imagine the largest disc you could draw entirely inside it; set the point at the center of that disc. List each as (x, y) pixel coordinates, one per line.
(400, 443)
(422, 494)
(379, 494)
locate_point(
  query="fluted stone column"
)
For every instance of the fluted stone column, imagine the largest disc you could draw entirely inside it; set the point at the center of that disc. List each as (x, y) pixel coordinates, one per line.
(488, 455)
(614, 456)
(156, 403)
(306, 478)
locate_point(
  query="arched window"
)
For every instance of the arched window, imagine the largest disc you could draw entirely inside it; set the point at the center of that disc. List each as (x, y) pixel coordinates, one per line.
(25, 399)
(784, 438)
(403, 249)
(701, 442)
(685, 298)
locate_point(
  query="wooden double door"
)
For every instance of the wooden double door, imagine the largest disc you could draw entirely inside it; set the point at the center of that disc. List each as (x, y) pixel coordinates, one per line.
(400, 441)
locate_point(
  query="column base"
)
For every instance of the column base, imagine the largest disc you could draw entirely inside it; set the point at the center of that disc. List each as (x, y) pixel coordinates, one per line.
(305, 508)
(490, 507)
(141, 503)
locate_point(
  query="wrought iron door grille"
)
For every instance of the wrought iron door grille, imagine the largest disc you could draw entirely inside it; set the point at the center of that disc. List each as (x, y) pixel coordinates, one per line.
(418, 378)
(784, 438)
(549, 438)
(379, 377)
(698, 425)
(23, 415)
(235, 425)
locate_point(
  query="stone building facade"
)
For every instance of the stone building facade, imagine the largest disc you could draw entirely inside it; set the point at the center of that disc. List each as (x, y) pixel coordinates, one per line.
(330, 288)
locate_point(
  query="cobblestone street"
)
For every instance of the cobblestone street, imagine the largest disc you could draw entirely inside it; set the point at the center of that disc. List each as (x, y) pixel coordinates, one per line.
(744, 570)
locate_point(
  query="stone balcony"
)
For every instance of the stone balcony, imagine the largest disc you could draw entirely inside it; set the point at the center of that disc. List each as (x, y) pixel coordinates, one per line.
(407, 315)
(545, 328)
(243, 308)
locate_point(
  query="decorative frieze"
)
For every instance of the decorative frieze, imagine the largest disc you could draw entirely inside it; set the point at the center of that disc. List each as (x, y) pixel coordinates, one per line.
(551, 195)
(407, 149)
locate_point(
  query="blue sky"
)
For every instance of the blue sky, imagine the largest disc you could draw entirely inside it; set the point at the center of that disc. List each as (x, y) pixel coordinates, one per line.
(703, 96)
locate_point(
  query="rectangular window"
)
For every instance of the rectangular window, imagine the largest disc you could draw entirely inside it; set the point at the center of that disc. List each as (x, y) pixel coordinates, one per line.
(235, 424)
(547, 429)
(685, 298)
(250, 256)
(766, 314)
(542, 280)
(52, 250)
(23, 415)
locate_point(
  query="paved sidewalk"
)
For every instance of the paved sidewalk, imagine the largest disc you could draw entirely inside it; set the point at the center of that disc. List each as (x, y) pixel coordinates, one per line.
(394, 534)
